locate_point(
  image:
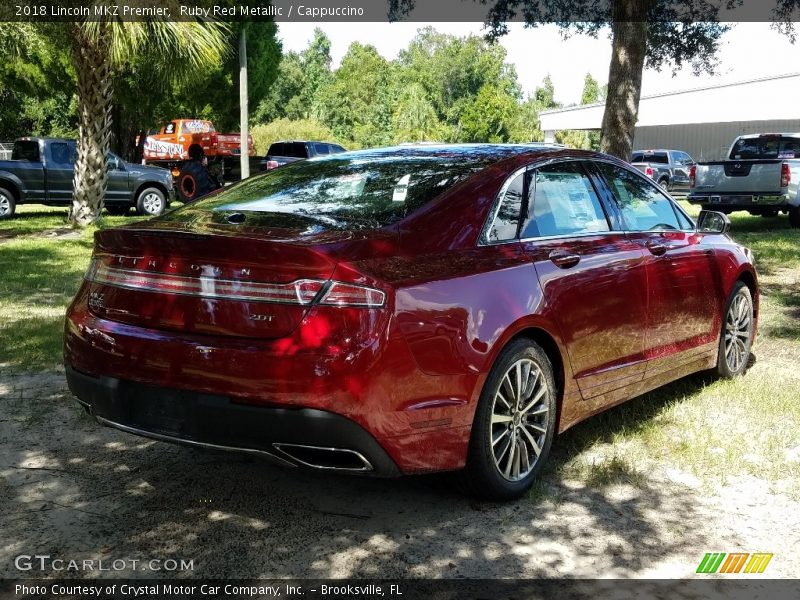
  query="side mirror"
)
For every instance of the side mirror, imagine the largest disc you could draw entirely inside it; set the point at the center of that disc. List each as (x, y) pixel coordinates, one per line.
(711, 221)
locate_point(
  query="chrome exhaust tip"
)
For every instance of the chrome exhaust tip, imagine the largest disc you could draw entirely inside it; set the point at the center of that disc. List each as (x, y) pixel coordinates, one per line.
(316, 457)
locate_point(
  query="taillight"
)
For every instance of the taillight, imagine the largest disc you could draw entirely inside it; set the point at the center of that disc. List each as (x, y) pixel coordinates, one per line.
(272, 164)
(345, 294)
(786, 175)
(302, 291)
(648, 171)
(692, 176)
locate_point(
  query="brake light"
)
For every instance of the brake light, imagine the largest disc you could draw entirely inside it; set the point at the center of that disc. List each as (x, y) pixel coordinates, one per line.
(272, 164)
(345, 294)
(692, 176)
(786, 175)
(302, 291)
(648, 171)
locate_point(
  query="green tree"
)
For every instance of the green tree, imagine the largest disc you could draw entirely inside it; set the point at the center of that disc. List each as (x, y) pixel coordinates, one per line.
(453, 70)
(355, 102)
(545, 94)
(37, 85)
(490, 116)
(414, 118)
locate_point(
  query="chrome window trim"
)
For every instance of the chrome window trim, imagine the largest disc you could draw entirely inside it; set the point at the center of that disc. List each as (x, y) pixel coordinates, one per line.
(483, 241)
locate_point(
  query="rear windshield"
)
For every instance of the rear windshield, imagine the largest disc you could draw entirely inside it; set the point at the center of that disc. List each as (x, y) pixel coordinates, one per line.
(344, 193)
(660, 158)
(765, 147)
(25, 151)
(288, 149)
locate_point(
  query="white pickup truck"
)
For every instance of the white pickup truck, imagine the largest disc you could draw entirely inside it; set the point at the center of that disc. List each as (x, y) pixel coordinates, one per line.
(761, 176)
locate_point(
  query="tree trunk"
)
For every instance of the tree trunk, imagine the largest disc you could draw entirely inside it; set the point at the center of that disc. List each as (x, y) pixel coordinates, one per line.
(629, 47)
(93, 69)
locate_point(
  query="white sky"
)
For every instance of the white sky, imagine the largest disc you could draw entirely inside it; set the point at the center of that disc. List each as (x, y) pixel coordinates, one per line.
(749, 51)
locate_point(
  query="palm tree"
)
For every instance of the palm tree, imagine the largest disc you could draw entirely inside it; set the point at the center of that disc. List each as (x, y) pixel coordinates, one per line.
(98, 47)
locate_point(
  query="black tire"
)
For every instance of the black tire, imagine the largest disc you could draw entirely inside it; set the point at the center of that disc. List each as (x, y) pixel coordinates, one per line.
(736, 324)
(194, 181)
(794, 216)
(483, 475)
(769, 212)
(664, 183)
(8, 205)
(118, 210)
(151, 202)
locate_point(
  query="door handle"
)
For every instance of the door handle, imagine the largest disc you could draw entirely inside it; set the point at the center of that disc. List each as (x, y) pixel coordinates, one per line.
(564, 260)
(656, 248)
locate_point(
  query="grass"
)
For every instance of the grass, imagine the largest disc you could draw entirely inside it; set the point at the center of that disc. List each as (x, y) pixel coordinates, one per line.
(698, 426)
(42, 261)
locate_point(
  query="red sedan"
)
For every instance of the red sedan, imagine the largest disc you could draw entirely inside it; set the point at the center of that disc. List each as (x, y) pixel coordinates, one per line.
(407, 310)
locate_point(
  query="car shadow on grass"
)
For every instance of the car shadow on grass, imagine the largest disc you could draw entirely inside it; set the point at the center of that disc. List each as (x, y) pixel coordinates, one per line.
(78, 490)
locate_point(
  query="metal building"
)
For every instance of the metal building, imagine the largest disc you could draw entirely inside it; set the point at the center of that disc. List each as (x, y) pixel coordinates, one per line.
(702, 121)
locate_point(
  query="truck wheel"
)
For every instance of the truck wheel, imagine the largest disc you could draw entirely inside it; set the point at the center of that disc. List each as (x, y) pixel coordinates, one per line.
(194, 182)
(151, 202)
(794, 216)
(7, 204)
(664, 183)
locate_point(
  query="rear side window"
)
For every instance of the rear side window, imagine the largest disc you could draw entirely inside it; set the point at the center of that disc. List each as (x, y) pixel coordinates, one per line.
(643, 206)
(505, 224)
(25, 151)
(336, 149)
(765, 147)
(564, 203)
(321, 149)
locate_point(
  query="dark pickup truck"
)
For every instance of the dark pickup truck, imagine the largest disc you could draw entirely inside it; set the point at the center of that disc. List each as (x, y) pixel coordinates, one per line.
(41, 169)
(281, 153)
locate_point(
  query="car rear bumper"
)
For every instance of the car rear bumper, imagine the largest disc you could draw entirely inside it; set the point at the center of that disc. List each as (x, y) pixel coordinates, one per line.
(740, 201)
(291, 437)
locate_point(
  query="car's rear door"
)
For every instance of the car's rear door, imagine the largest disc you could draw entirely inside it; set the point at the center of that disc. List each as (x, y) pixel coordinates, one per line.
(61, 157)
(592, 276)
(682, 297)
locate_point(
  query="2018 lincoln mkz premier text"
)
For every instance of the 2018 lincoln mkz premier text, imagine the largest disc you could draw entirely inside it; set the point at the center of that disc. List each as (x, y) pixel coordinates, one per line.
(407, 310)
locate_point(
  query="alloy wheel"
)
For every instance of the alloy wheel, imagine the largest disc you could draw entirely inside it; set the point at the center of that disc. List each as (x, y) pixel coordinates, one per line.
(152, 203)
(5, 205)
(518, 429)
(738, 331)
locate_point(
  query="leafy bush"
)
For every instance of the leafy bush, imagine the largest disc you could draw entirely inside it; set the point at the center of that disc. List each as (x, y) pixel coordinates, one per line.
(288, 129)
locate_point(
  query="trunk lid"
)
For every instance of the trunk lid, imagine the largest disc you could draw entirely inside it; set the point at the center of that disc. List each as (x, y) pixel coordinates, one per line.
(208, 278)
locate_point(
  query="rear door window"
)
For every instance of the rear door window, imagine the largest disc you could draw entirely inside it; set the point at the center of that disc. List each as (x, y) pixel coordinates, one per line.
(297, 150)
(320, 149)
(564, 203)
(25, 150)
(63, 153)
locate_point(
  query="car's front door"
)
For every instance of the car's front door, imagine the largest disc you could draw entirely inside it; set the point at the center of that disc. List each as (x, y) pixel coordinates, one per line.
(592, 276)
(682, 298)
(118, 189)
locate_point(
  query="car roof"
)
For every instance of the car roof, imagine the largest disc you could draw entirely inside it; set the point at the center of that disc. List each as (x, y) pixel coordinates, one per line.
(486, 152)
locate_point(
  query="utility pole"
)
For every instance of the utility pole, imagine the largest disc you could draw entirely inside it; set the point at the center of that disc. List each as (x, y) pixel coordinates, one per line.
(244, 151)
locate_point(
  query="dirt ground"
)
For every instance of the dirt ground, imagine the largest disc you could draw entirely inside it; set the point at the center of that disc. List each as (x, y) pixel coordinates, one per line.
(73, 489)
